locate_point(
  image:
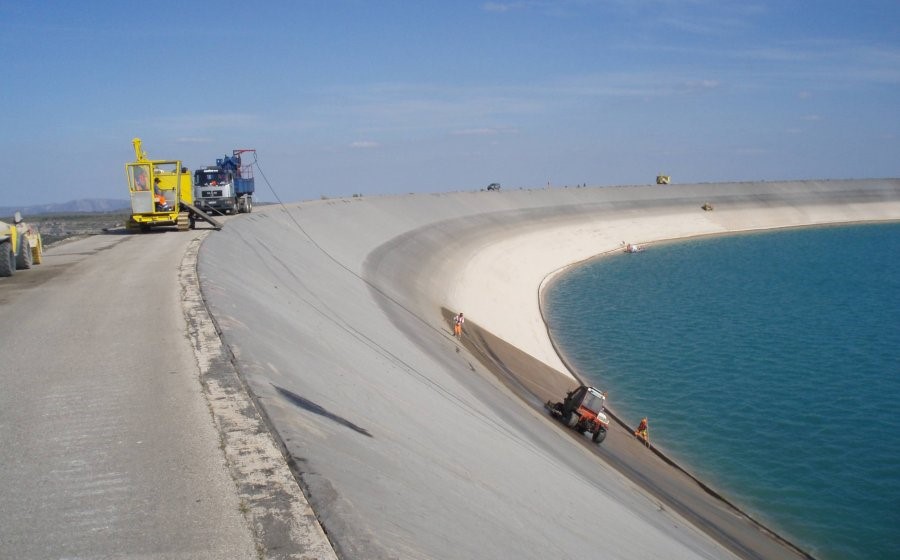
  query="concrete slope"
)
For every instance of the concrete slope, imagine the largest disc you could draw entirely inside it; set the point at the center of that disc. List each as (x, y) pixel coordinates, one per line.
(407, 446)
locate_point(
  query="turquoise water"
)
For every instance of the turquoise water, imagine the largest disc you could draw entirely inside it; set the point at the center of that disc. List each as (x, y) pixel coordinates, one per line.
(768, 364)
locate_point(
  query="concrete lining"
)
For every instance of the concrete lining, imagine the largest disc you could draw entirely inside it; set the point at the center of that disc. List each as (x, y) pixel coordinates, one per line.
(407, 446)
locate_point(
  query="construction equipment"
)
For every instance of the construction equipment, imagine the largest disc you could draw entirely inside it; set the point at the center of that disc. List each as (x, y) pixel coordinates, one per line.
(227, 187)
(20, 246)
(663, 179)
(582, 410)
(161, 194)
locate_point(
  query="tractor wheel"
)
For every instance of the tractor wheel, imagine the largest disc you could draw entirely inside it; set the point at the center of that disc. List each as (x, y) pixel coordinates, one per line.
(7, 259)
(37, 252)
(599, 435)
(571, 420)
(23, 259)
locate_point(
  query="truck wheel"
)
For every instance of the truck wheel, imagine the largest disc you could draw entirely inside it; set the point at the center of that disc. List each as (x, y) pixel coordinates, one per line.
(23, 259)
(599, 435)
(7, 259)
(249, 205)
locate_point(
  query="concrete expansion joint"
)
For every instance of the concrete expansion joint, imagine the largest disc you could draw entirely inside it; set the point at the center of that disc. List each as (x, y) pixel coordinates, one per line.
(277, 512)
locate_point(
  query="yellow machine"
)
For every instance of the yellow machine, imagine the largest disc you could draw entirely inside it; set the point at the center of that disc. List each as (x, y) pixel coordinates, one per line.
(20, 246)
(161, 193)
(663, 179)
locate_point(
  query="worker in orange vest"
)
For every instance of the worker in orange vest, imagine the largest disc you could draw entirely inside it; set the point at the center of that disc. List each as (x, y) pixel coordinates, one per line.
(161, 204)
(458, 324)
(643, 431)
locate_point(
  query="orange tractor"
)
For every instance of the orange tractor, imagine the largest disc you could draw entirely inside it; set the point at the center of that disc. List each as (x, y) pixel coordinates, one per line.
(582, 410)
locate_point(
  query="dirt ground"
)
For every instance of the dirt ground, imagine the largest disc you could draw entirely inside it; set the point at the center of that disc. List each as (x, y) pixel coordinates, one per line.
(56, 227)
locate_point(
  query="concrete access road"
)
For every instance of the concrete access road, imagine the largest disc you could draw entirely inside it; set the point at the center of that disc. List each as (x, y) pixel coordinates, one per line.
(108, 446)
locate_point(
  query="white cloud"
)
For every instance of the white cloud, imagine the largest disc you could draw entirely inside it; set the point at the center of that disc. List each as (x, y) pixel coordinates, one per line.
(498, 7)
(547, 7)
(483, 131)
(475, 132)
(364, 144)
(629, 85)
(189, 125)
(193, 140)
(702, 85)
(749, 151)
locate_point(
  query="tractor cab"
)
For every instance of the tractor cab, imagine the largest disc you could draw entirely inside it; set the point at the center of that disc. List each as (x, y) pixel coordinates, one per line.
(586, 402)
(594, 401)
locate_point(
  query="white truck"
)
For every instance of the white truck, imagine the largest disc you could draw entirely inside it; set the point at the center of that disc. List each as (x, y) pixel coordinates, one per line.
(20, 246)
(226, 187)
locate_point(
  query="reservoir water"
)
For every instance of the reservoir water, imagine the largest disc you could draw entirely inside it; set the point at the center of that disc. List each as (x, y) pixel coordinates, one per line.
(768, 365)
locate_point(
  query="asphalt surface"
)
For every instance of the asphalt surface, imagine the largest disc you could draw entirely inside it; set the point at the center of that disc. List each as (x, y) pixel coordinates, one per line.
(109, 449)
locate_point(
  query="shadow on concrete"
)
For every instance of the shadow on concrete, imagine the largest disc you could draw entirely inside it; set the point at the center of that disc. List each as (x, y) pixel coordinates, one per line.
(310, 406)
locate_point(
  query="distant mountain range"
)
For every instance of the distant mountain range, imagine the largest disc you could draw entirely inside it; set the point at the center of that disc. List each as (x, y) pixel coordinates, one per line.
(86, 205)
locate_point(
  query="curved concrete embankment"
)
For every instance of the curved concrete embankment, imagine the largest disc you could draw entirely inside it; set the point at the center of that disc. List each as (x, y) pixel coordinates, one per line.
(407, 446)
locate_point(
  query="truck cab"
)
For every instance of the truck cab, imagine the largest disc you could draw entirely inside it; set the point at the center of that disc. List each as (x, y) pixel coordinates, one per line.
(226, 187)
(214, 189)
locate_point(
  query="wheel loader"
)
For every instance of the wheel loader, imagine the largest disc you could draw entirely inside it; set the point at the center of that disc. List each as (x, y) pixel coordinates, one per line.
(582, 410)
(20, 246)
(162, 193)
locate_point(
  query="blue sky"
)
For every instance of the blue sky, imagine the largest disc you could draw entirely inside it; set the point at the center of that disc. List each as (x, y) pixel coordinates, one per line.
(372, 97)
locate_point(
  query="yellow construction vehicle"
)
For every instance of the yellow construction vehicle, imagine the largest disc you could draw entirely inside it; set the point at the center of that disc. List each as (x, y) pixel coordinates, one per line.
(663, 179)
(20, 246)
(161, 193)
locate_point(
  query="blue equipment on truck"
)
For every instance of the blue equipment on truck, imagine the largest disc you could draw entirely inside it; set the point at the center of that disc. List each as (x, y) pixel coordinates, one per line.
(226, 187)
